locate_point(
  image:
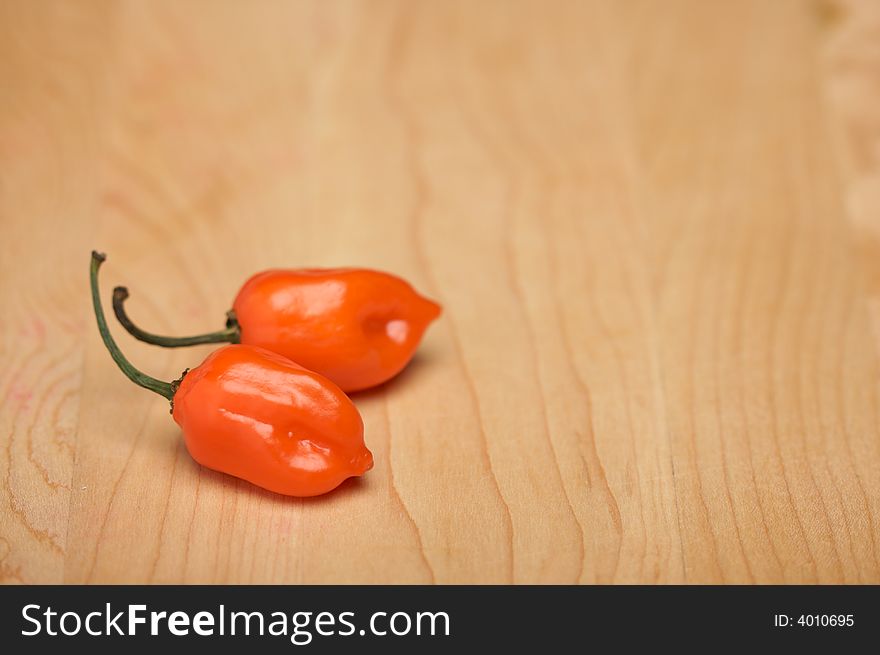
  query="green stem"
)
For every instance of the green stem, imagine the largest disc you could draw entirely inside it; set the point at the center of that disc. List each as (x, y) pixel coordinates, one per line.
(231, 334)
(165, 389)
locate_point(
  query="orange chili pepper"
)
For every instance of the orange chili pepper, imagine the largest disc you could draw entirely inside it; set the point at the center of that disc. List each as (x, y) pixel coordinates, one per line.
(257, 415)
(357, 327)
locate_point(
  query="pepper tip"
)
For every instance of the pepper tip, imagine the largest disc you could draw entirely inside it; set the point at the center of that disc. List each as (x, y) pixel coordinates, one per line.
(365, 461)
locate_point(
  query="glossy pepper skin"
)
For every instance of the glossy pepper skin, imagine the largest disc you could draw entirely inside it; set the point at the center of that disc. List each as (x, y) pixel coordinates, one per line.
(258, 416)
(357, 327)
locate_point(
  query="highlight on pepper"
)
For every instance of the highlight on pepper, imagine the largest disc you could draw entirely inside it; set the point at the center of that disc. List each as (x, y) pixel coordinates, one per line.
(357, 327)
(257, 415)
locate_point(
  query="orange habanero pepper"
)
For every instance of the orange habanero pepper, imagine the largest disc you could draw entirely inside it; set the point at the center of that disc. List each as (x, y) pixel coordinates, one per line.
(256, 415)
(357, 327)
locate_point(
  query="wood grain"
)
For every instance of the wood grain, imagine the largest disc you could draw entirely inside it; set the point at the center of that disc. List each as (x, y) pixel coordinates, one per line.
(653, 225)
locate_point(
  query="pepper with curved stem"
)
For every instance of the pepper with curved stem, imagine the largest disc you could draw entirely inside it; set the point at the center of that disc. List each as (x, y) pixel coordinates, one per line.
(357, 327)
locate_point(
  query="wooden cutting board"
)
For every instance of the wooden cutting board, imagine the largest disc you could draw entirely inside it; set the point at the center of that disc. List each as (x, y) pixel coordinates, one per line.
(654, 227)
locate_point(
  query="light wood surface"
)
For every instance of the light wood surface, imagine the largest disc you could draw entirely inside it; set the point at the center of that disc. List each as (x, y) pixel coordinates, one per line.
(654, 226)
